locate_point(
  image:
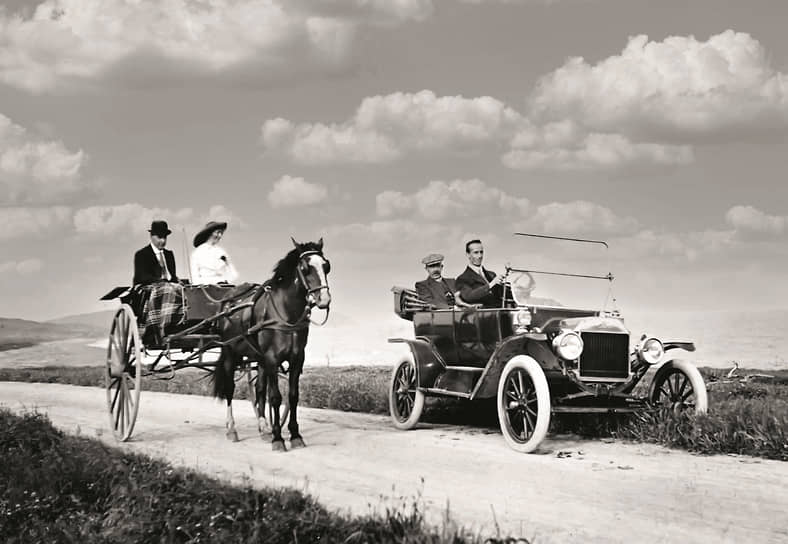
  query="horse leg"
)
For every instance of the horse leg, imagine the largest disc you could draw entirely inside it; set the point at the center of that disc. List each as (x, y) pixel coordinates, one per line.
(225, 388)
(260, 395)
(274, 401)
(296, 440)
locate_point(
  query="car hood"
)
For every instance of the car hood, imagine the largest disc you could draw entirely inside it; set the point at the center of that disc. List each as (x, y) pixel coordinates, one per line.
(613, 325)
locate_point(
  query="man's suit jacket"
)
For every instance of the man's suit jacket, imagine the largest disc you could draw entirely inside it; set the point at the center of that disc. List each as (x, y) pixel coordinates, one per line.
(434, 292)
(474, 290)
(147, 268)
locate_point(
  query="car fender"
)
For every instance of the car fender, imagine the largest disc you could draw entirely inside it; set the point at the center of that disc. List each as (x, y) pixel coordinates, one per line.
(487, 386)
(686, 346)
(429, 364)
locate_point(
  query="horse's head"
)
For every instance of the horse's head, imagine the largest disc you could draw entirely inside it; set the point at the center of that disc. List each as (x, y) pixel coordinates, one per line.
(313, 269)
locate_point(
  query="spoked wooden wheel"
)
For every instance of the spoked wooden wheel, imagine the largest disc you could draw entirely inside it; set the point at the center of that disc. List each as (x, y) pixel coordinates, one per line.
(252, 375)
(123, 373)
(679, 386)
(406, 402)
(523, 404)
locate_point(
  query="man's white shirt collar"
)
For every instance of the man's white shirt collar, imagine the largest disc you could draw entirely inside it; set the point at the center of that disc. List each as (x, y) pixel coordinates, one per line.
(478, 269)
(155, 249)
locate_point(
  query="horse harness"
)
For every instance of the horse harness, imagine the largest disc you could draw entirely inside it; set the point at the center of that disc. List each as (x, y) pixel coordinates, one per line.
(279, 322)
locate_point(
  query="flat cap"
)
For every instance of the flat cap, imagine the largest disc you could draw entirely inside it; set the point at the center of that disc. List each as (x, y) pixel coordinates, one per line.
(432, 258)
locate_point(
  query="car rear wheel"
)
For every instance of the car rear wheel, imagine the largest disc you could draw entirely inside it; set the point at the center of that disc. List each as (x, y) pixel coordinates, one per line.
(523, 404)
(679, 386)
(406, 402)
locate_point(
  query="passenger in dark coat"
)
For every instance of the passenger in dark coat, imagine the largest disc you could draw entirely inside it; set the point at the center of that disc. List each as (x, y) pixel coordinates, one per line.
(436, 290)
(476, 284)
(148, 260)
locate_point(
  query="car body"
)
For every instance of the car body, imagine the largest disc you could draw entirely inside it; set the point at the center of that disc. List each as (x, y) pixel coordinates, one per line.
(538, 360)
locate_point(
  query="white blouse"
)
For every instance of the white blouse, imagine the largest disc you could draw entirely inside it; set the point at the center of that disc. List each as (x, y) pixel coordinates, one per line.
(210, 264)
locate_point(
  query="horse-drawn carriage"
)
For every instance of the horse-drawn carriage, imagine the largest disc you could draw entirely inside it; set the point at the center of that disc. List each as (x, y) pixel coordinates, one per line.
(537, 359)
(254, 332)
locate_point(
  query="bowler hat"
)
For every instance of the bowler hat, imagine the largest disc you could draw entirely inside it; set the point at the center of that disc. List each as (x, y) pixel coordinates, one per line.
(432, 258)
(159, 228)
(207, 230)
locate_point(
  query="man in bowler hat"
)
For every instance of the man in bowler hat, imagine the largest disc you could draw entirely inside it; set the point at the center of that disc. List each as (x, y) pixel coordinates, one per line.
(154, 263)
(436, 290)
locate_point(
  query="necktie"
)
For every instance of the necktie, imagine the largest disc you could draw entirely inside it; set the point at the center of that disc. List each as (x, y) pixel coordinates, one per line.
(164, 273)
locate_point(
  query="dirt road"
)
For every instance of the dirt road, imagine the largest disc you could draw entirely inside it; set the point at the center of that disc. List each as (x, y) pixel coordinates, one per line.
(574, 491)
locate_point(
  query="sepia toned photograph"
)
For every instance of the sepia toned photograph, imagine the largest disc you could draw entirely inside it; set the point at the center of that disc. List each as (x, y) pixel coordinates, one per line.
(393, 271)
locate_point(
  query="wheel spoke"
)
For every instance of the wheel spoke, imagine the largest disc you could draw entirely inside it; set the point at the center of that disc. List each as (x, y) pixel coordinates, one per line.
(528, 429)
(666, 393)
(528, 410)
(115, 384)
(684, 382)
(520, 381)
(688, 394)
(672, 393)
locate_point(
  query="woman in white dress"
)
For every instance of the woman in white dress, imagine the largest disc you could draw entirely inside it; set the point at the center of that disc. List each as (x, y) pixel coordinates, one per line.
(210, 263)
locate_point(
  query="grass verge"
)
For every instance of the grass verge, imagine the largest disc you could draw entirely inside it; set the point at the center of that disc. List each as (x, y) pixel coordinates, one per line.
(744, 418)
(60, 488)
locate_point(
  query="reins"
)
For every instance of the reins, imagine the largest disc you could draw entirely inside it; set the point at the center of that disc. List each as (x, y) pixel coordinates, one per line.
(280, 322)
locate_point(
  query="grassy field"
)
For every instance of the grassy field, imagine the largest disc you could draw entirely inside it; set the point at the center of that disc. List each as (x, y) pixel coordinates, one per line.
(744, 418)
(60, 488)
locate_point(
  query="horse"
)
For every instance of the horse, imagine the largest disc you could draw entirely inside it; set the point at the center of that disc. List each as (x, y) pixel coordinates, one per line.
(272, 329)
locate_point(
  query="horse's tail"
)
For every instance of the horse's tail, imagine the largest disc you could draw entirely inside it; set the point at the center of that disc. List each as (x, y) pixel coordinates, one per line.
(223, 376)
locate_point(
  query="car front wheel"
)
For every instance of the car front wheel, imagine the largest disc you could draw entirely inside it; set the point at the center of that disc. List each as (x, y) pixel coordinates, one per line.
(523, 404)
(406, 402)
(679, 386)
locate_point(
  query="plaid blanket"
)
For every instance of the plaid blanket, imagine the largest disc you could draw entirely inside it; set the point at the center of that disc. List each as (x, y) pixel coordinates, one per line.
(163, 306)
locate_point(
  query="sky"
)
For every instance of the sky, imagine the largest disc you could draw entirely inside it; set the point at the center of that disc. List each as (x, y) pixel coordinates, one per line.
(393, 129)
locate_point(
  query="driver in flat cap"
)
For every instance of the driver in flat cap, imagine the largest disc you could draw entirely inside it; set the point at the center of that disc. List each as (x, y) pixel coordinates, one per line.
(436, 290)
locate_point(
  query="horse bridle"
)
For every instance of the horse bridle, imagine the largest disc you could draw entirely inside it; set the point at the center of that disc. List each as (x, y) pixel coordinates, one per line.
(310, 291)
(311, 299)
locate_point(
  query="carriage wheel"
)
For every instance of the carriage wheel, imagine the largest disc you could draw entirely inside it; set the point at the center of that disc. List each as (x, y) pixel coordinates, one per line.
(523, 404)
(406, 402)
(679, 386)
(123, 373)
(252, 374)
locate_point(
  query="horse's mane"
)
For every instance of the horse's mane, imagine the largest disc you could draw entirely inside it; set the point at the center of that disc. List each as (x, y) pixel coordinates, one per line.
(285, 270)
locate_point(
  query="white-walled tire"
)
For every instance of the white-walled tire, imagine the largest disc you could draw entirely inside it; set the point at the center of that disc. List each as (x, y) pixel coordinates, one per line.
(523, 404)
(678, 385)
(406, 402)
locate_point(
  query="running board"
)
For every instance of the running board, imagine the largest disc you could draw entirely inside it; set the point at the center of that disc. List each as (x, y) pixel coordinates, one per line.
(465, 368)
(595, 409)
(444, 392)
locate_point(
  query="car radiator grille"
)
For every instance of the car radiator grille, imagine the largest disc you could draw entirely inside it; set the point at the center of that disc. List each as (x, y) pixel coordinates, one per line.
(605, 356)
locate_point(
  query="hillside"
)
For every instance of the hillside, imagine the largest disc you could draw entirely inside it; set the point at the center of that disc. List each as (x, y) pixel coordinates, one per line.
(98, 320)
(19, 333)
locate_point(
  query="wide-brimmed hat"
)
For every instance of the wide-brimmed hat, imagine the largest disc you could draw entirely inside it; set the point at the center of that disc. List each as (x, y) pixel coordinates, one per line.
(159, 228)
(207, 230)
(432, 258)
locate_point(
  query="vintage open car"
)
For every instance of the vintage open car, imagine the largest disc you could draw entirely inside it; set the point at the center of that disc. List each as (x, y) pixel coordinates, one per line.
(537, 360)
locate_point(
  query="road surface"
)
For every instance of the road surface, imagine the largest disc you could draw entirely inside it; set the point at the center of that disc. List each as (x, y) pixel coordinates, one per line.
(573, 491)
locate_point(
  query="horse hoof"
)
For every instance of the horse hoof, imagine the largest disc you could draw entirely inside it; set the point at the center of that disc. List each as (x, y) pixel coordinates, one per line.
(232, 436)
(297, 442)
(278, 445)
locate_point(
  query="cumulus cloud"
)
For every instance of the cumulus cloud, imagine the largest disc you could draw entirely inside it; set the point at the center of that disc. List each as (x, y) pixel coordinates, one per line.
(645, 107)
(26, 266)
(441, 199)
(132, 217)
(21, 222)
(753, 220)
(540, 148)
(64, 41)
(680, 89)
(384, 128)
(289, 192)
(579, 216)
(37, 170)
